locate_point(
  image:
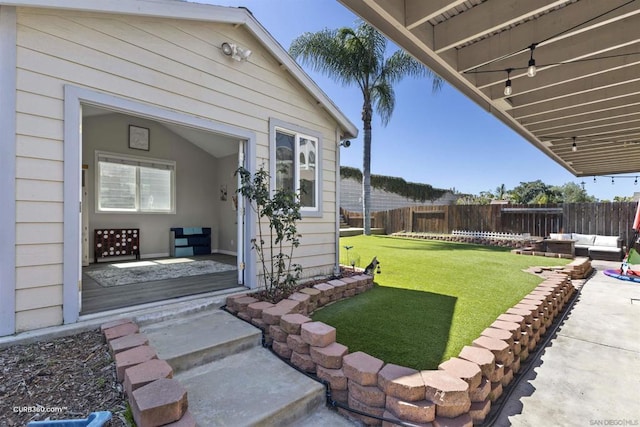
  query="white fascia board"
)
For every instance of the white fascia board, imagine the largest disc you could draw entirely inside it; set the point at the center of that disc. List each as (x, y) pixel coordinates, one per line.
(203, 12)
(153, 8)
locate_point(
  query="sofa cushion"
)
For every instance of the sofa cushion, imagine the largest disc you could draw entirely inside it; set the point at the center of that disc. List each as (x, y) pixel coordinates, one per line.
(611, 241)
(583, 239)
(611, 249)
(560, 236)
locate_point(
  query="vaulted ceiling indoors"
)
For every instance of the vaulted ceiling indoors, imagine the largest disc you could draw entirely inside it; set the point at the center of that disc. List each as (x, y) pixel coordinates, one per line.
(586, 88)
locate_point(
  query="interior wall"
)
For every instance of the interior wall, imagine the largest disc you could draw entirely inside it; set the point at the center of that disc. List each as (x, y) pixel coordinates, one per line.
(199, 176)
(227, 211)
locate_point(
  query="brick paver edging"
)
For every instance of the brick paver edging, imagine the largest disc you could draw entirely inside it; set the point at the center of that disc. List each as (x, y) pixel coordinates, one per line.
(155, 397)
(460, 392)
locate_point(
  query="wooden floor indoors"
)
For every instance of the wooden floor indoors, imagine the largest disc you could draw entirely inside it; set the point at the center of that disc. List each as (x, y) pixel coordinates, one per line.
(97, 298)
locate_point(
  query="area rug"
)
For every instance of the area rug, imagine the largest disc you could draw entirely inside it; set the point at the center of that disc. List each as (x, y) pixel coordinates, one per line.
(150, 271)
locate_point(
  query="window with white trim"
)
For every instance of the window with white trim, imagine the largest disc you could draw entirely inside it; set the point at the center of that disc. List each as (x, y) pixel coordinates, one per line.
(295, 166)
(134, 184)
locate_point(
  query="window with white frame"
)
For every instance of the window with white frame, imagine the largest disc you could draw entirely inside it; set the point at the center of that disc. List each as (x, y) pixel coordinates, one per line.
(134, 184)
(295, 166)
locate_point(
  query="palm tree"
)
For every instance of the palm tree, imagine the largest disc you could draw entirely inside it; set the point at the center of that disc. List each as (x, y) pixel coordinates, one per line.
(501, 192)
(357, 56)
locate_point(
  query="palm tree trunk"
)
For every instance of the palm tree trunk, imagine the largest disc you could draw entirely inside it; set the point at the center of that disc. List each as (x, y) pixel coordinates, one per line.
(366, 169)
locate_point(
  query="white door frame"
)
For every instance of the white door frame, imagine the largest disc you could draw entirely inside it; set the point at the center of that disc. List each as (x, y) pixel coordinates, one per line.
(74, 97)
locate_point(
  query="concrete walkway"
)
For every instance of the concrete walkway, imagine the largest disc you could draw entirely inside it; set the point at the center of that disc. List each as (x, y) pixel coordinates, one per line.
(589, 374)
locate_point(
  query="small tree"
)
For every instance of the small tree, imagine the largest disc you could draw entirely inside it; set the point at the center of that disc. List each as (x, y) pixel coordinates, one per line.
(275, 247)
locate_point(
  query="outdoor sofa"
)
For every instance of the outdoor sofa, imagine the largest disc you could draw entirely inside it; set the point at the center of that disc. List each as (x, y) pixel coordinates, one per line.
(594, 246)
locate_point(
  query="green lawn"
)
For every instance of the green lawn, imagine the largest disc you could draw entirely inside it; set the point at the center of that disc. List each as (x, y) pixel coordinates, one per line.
(433, 297)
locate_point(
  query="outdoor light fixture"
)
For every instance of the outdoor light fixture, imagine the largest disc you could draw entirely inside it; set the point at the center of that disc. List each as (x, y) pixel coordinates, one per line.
(574, 147)
(594, 179)
(507, 85)
(635, 182)
(235, 51)
(612, 182)
(346, 143)
(531, 70)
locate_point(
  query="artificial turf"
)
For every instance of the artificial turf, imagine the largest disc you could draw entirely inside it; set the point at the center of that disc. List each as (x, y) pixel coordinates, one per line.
(432, 298)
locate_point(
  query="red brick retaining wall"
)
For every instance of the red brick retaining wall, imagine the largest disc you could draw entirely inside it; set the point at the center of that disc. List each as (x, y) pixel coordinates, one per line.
(155, 398)
(459, 392)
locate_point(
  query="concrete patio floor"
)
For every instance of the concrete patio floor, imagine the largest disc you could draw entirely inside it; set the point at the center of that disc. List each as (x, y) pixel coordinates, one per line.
(589, 374)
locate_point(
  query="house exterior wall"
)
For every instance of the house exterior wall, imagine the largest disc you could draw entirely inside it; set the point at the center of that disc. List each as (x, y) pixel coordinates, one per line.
(168, 63)
(351, 198)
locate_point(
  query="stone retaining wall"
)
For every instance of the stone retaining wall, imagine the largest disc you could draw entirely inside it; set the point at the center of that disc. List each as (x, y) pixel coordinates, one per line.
(460, 392)
(487, 241)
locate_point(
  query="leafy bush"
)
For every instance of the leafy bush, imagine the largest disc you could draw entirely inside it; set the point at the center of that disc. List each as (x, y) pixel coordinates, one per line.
(275, 246)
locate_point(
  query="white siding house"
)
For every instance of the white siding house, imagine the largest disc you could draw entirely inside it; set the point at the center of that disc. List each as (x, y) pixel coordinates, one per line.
(76, 75)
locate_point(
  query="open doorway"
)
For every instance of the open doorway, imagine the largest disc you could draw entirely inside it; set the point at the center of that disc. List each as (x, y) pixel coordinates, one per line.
(144, 180)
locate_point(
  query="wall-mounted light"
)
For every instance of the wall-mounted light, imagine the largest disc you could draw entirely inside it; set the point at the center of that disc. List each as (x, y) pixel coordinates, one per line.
(235, 51)
(574, 147)
(507, 85)
(531, 69)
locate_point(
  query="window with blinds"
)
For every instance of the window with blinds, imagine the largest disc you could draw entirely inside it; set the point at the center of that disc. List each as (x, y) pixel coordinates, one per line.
(134, 184)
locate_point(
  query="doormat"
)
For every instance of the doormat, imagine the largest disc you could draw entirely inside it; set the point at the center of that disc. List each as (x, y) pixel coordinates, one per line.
(149, 271)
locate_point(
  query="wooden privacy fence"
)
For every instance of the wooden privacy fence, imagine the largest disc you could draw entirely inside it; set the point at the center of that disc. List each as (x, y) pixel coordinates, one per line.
(610, 219)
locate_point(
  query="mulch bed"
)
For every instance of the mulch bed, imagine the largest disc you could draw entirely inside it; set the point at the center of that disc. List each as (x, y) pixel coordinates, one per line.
(65, 378)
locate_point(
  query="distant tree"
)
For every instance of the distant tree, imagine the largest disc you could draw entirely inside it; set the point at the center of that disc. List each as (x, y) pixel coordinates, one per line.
(532, 192)
(484, 198)
(574, 193)
(357, 57)
(501, 192)
(623, 199)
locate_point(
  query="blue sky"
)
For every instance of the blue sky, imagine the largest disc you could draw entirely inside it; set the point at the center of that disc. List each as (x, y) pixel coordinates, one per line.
(441, 139)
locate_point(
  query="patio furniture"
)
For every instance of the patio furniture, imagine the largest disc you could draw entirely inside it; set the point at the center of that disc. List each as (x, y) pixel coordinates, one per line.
(561, 246)
(594, 246)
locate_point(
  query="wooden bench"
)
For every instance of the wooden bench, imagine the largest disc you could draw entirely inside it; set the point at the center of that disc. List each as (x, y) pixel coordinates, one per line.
(112, 242)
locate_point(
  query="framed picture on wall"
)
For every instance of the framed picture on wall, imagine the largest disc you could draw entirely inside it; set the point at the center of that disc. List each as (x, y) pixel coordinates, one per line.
(138, 138)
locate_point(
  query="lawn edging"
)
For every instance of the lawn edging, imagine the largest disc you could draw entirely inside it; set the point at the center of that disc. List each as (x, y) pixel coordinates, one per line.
(462, 389)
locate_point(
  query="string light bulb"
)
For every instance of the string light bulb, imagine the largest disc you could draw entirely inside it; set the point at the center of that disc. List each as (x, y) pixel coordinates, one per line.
(531, 69)
(574, 147)
(594, 179)
(635, 182)
(612, 182)
(507, 85)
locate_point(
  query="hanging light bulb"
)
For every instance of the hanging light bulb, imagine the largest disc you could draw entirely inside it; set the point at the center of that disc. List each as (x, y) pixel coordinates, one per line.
(582, 183)
(635, 182)
(532, 70)
(612, 182)
(507, 85)
(594, 179)
(574, 147)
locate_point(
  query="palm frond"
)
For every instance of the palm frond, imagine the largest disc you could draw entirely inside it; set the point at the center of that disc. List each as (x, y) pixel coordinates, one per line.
(323, 52)
(384, 100)
(400, 64)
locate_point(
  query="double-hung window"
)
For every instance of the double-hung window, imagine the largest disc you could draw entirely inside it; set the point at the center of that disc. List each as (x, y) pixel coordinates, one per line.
(297, 165)
(134, 184)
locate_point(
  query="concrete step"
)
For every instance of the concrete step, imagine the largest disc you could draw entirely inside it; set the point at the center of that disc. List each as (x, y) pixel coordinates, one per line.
(323, 417)
(253, 388)
(202, 337)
